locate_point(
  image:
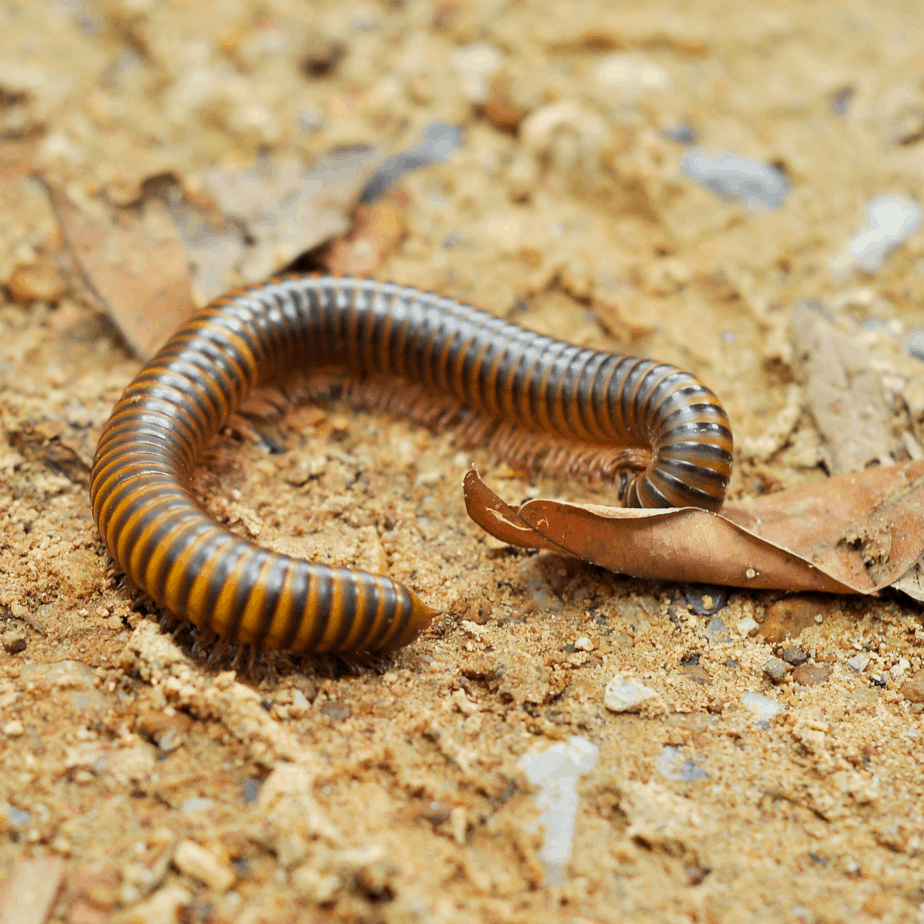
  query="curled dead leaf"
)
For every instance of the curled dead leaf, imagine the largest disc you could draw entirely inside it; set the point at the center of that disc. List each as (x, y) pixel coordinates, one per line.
(852, 534)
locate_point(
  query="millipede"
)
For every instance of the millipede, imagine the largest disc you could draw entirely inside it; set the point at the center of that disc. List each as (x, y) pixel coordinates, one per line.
(669, 433)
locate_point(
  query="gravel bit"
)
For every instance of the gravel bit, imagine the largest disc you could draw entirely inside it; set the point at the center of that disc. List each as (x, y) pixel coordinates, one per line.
(13, 641)
(860, 661)
(705, 600)
(623, 694)
(795, 655)
(775, 669)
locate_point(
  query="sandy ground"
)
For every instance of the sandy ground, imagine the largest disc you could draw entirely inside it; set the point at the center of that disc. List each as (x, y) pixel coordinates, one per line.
(138, 782)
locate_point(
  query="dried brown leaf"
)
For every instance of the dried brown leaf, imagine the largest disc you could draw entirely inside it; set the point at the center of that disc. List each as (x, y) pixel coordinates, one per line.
(273, 214)
(133, 264)
(854, 533)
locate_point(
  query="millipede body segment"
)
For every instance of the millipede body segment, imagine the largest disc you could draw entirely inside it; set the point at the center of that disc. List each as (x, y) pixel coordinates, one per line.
(158, 533)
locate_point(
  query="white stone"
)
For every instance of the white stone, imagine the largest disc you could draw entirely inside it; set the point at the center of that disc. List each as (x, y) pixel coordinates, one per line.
(623, 694)
(761, 706)
(860, 661)
(890, 221)
(747, 626)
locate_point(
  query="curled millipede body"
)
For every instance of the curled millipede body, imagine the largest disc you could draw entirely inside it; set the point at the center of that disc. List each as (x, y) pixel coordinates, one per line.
(158, 533)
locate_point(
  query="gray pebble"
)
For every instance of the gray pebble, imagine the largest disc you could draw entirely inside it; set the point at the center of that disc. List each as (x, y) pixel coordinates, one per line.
(682, 133)
(705, 600)
(795, 655)
(757, 186)
(251, 789)
(775, 669)
(717, 633)
(840, 101)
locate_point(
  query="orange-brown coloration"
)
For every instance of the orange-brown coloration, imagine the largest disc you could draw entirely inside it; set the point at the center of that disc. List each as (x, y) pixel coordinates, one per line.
(197, 569)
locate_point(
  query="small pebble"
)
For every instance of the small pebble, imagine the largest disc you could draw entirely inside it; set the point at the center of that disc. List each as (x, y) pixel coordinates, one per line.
(682, 134)
(310, 119)
(64, 675)
(810, 675)
(761, 706)
(30, 887)
(716, 633)
(584, 644)
(14, 641)
(913, 688)
(915, 344)
(860, 661)
(29, 283)
(759, 187)
(795, 655)
(891, 220)
(623, 694)
(321, 55)
(899, 668)
(14, 729)
(201, 864)
(165, 729)
(840, 101)
(704, 600)
(788, 618)
(775, 669)
(747, 626)
(299, 705)
(251, 789)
